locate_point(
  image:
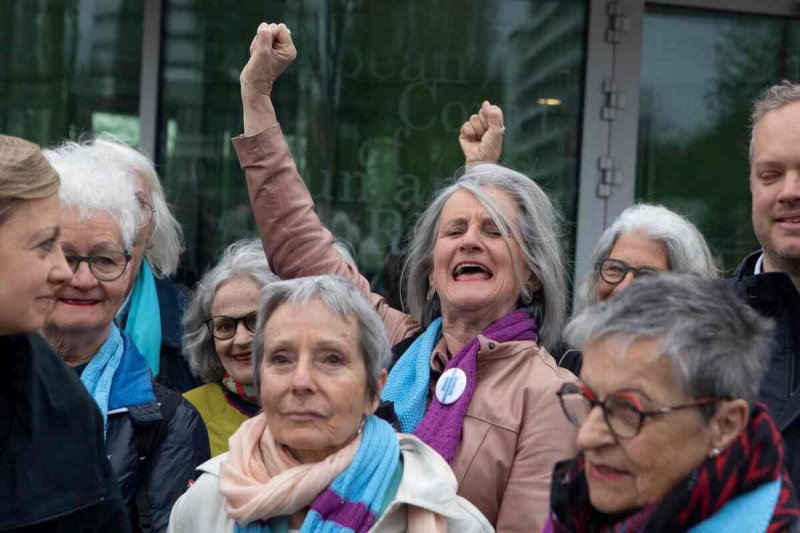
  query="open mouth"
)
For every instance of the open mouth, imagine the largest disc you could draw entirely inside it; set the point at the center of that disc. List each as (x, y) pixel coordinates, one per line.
(472, 272)
(243, 357)
(78, 303)
(792, 221)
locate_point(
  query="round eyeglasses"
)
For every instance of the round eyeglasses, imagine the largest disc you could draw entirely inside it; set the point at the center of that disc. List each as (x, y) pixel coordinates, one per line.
(148, 214)
(613, 271)
(224, 327)
(622, 411)
(104, 266)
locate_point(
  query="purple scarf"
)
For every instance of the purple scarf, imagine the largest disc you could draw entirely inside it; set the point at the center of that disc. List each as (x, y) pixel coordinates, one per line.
(441, 426)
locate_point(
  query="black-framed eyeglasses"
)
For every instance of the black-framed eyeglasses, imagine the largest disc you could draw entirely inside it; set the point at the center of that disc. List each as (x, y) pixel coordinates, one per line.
(622, 411)
(148, 214)
(613, 271)
(224, 327)
(104, 266)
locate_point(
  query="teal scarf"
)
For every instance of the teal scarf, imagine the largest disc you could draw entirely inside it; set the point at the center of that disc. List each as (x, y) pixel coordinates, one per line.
(99, 373)
(143, 323)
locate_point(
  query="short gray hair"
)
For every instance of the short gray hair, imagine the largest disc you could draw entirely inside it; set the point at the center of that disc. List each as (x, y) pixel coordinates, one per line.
(536, 231)
(718, 346)
(775, 97)
(91, 182)
(686, 248)
(243, 259)
(344, 299)
(166, 245)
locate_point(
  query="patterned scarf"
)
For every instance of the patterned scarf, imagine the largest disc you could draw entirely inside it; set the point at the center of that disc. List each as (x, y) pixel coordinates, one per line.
(753, 460)
(99, 373)
(408, 383)
(346, 491)
(248, 392)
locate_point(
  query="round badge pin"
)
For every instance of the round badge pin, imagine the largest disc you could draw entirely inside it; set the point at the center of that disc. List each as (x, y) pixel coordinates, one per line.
(451, 386)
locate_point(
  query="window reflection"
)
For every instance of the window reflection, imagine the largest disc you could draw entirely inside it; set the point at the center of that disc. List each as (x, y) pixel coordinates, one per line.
(371, 109)
(70, 67)
(701, 72)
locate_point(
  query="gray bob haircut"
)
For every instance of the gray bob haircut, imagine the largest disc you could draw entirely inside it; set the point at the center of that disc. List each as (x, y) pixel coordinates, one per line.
(775, 97)
(91, 182)
(718, 346)
(686, 248)
(344, 299)
(242, 259)
(166, 245)
(536, 231)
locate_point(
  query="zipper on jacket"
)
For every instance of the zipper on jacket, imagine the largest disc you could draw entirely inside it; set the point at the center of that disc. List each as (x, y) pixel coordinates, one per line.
(793, 340)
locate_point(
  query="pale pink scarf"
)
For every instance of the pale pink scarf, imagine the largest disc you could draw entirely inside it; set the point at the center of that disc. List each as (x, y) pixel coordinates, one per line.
(260, 480)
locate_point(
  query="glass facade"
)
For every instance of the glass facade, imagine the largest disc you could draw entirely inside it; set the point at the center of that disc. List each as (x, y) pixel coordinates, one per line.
(701, 71)
(372, 108)
(374, 102)
(70, 68)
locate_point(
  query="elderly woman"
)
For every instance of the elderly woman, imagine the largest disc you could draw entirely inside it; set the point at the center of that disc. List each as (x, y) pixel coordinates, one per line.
(317, 459)
(49, 425)
(644, 240)
(219, 326)
(670, 436)
(485, 287)
(155, 439)
(153, 308)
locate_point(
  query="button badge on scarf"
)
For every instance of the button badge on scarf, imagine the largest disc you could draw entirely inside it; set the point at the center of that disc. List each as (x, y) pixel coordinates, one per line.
(451, 386)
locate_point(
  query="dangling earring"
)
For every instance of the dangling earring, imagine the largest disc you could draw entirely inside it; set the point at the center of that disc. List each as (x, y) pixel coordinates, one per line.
(714, 452)
(526, 295)
(431, 292)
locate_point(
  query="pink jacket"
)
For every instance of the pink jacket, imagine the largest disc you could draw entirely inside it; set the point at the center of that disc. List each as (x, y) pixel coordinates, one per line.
(514, 430)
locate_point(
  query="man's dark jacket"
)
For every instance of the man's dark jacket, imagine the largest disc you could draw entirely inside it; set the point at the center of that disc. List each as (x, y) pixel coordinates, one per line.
(774, 295)
(54, 473)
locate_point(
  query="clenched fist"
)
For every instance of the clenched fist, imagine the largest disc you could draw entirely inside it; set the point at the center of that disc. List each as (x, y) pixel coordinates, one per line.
(270, 53)
(481, 136)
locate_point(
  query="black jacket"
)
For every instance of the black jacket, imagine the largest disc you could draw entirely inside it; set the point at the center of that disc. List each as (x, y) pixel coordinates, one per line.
(54, 473)
(181, 446)
(774, 295)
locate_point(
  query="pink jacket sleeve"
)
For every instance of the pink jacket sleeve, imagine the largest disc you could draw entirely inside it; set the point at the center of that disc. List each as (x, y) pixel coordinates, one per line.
(295, 241)
(546, 438)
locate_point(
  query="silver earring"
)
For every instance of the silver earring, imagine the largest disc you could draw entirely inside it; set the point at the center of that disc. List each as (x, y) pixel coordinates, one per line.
(714, 452)
(526, 295)
(431, 292)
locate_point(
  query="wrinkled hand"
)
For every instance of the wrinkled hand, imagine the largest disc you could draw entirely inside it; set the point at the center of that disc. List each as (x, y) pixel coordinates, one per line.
(271, 52)
(481, 136)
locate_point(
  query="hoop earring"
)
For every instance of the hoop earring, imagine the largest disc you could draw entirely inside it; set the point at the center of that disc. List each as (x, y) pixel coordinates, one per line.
(431, 292)
(526, 295)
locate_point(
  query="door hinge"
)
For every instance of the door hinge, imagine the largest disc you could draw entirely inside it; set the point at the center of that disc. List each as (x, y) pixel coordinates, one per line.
(618, 23)
(612, 101)
(609, 176)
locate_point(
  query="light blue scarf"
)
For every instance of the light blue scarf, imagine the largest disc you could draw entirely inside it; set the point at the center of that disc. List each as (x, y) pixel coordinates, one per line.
(99, 373)
(143, 323)
(354, 500)
(408, 382)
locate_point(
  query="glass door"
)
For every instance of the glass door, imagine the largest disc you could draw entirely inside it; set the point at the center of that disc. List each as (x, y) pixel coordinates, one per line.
(700, 72)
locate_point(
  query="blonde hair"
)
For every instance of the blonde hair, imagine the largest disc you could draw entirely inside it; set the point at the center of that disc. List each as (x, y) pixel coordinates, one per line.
(25, 174)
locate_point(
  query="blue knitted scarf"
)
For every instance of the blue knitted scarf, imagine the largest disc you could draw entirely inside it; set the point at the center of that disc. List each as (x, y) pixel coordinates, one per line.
(353, 501)
(408, 382)
(99, 373)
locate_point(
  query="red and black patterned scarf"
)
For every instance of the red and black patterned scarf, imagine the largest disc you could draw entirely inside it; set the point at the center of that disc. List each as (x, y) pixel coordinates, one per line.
(755, 458)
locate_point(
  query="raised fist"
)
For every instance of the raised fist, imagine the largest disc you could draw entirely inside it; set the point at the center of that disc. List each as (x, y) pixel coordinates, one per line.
(270, 53)
(481, 136)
